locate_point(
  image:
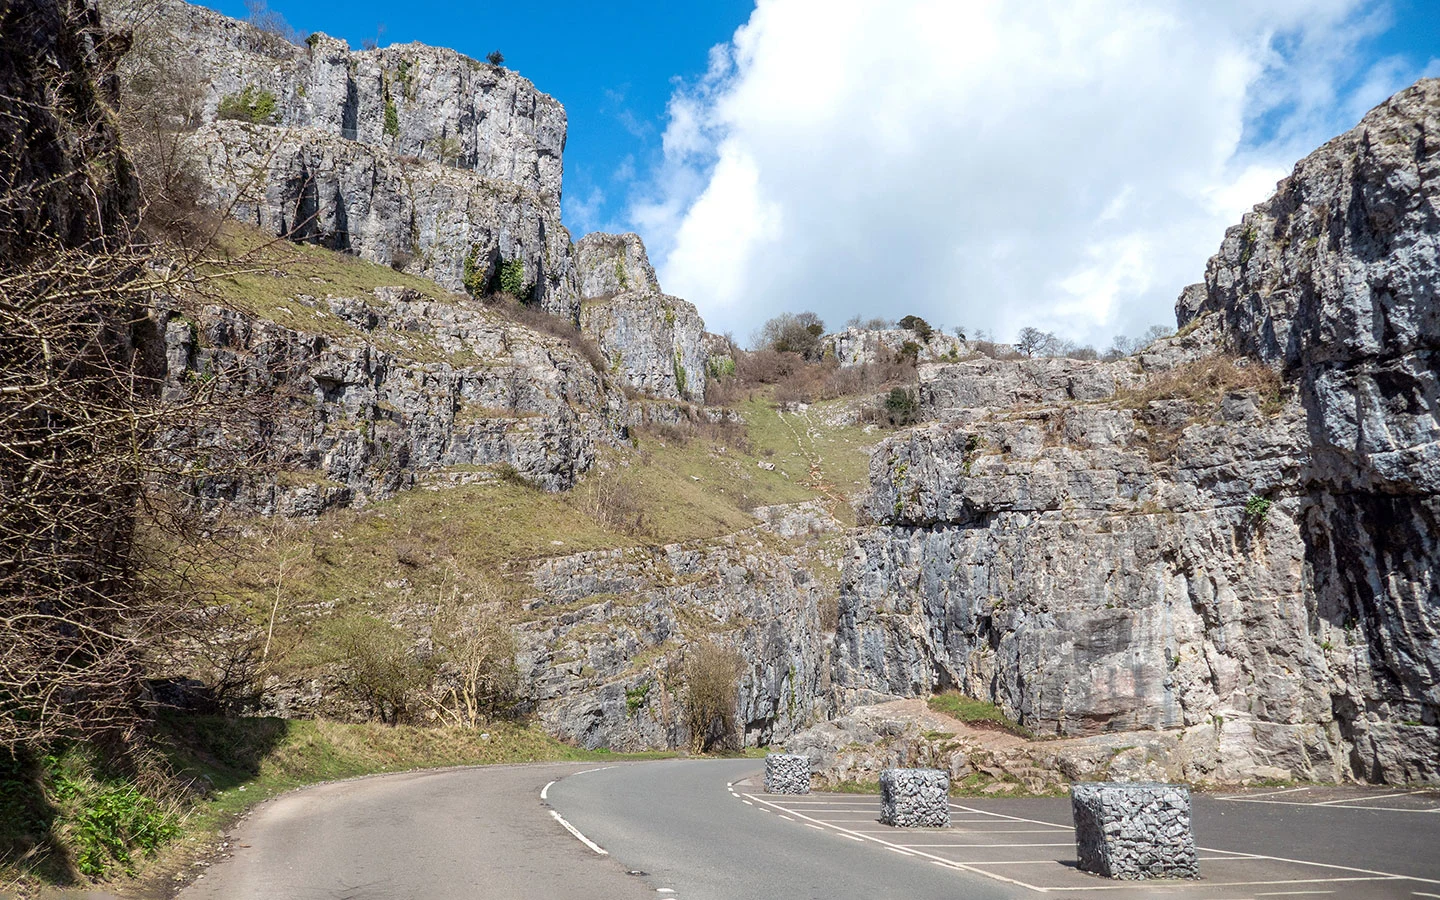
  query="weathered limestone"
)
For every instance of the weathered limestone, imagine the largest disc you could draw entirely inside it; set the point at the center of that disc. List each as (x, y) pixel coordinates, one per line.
(1135, 830)
(915, 798)
(1237, 550)
(787, 774)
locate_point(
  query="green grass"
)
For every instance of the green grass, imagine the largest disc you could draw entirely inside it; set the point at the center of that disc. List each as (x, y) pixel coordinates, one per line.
(977, 713)
(263, 275)
(85, 822)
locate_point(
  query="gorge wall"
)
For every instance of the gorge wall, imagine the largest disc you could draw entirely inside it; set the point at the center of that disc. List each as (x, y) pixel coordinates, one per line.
(418, 158)
(1232, 535)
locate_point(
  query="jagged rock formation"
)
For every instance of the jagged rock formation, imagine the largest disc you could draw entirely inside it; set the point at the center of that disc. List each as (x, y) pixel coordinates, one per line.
(654, 342)
(411, 156)
(608, 264)
(1187, 543)
(606, 664)
(423, 159)
(869, 347)
(402, 385)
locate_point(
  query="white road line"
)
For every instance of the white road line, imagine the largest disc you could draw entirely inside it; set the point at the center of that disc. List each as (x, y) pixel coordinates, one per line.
(1376, 797)
(900, 850)
(1418, 894)
(1266, 794)
(1290, 893)
(747, 802)
(854, 836)
(1298, 803)
(811, 825)
(575, 831)
(545, 792)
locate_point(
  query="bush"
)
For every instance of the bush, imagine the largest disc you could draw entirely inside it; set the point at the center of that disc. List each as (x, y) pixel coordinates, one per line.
(377, 667)
(919, 326)
(712, 680)
(495, 58)
(251, 105)
(1256, 509)
(392, 119)
(475, 650)
(793, 333)
(512, 278)
(901, 407)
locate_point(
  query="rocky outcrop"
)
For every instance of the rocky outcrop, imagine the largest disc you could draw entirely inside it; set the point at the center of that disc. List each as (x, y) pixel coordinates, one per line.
(1185, 542)
(65, 179)
(613, 264)
(391, 386)
(654, 342)
(871, 346)
(447, 224)
(609, 632)
(421, 159)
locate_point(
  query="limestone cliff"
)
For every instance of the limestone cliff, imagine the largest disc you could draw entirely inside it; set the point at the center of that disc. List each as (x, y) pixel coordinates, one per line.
(1192, 541)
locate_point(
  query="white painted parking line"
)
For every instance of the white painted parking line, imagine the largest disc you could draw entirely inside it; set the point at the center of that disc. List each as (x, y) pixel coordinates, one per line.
(1326, 806)
(1266, 794)
(1374, 797)
(891, 839)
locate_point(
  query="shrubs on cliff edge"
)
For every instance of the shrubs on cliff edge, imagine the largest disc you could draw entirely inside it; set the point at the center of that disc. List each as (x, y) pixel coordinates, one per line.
(252, 104)
(712, 679)
(792, 333)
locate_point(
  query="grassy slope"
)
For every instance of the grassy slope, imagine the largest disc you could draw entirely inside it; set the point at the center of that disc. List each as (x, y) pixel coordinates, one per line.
(423, 543)
(357, 562)
(82, 822)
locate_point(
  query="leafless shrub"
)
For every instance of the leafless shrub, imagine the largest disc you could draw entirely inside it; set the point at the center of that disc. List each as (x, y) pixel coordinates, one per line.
(102, 459)
(537, 319)
(378, 666)
(712, 681)
(475, 650)
(612, 499)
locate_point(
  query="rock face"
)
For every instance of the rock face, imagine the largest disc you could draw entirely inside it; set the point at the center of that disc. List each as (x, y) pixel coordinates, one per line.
(1190, 541)
(609, 632)
(404, 385)
(869, 346)
(444, 223)
(422, 159)
(613, 264)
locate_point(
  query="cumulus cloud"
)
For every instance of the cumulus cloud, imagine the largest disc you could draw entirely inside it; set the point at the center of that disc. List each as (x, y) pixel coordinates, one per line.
(1068, 164)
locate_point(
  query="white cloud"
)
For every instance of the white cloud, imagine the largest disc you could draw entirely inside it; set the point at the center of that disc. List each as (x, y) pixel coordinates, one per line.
(1064, 163)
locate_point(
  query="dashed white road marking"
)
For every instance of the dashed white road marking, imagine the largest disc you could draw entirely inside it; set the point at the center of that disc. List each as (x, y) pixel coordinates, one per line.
(1290, 893)
(575, 831)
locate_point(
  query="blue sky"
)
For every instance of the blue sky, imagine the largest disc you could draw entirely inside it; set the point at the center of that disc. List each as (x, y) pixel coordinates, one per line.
(611, 64)
(988, 163)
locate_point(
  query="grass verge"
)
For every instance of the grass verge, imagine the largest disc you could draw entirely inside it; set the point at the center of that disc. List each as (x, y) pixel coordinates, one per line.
(977, 713)
(68, 818)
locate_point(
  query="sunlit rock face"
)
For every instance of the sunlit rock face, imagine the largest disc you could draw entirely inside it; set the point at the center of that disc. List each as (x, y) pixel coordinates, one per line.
(1179, 541)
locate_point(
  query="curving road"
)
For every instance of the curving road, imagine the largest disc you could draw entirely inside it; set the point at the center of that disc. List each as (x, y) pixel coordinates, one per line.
(702, 830)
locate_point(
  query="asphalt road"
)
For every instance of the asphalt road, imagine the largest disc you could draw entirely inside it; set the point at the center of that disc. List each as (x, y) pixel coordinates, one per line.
(440, 835)
(678, 830)
(677, 821)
